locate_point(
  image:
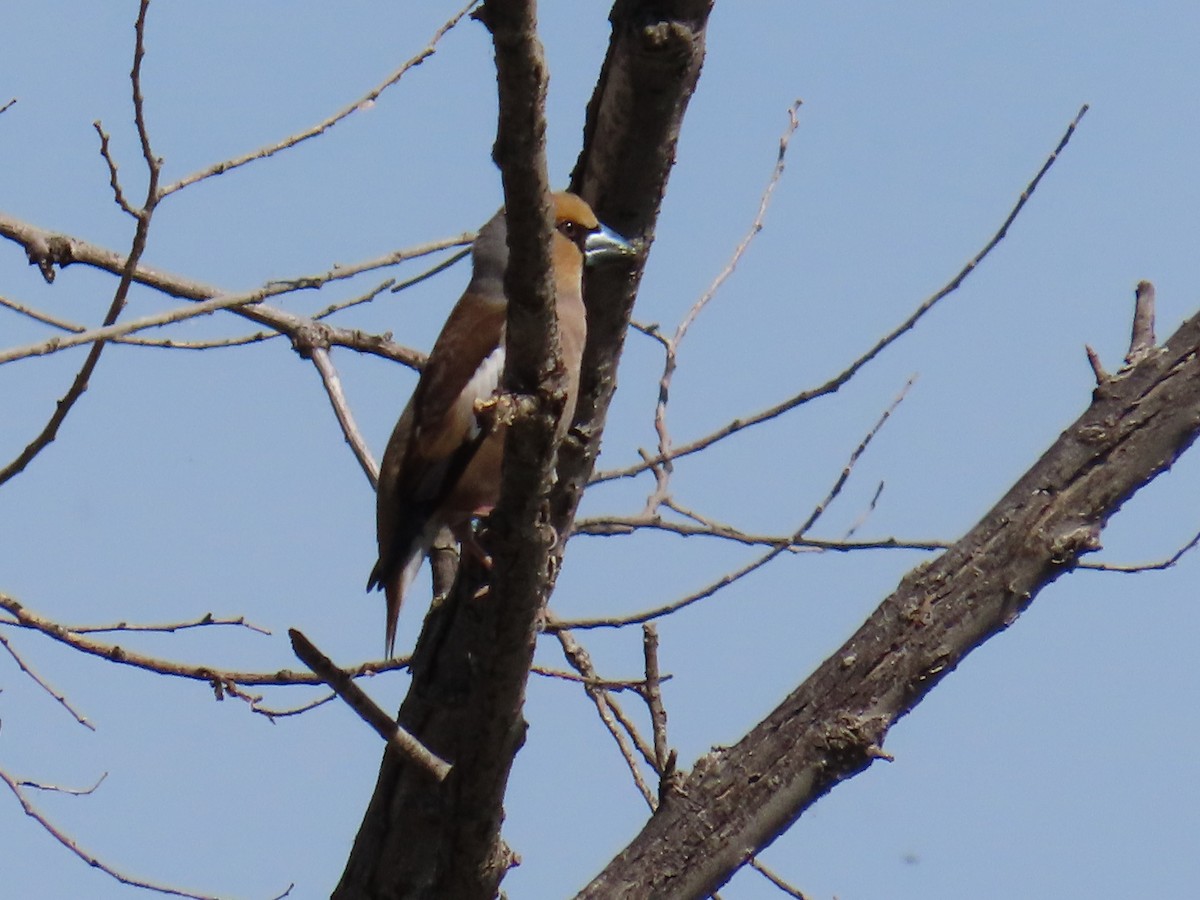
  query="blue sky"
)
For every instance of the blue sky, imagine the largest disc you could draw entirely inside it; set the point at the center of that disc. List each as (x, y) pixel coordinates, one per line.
(1053, 763)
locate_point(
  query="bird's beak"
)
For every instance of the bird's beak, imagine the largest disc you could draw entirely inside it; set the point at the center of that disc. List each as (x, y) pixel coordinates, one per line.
(605, 244)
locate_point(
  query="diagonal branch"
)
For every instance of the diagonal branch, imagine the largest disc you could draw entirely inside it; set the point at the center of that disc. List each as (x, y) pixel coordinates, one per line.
(362, 103)
(88, 857)
(366, 708)
(831, 727)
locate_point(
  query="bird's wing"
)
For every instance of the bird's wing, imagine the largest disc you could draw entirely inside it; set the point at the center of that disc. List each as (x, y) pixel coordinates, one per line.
(438, 433)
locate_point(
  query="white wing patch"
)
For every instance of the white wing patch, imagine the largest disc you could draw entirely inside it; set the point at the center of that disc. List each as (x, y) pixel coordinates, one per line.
(484, 383)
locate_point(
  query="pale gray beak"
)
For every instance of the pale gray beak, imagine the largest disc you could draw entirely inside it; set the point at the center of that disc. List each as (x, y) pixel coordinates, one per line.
(605, 244)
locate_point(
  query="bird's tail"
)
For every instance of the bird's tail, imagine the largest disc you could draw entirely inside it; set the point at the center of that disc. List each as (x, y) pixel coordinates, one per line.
(397, 585)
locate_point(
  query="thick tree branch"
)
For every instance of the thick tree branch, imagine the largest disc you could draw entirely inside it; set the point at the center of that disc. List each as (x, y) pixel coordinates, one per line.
(473, 858)
(633, 124)
(737, 800)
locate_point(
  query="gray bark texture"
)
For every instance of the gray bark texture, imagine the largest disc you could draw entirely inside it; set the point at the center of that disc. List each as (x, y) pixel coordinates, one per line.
(419, 838)
(738, 799)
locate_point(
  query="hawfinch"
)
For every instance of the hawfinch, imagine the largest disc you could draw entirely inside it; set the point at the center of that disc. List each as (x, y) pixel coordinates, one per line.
(442, 463)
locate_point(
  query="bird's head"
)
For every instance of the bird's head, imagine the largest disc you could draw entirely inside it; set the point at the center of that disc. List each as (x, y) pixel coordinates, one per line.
(575, 221)
(580, 239)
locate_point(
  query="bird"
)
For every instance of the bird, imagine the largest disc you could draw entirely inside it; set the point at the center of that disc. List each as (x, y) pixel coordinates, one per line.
(441, 467)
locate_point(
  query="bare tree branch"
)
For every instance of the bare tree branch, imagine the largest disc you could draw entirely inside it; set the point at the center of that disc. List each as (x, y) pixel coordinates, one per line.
(48, 249)
(850, 371)
(1161, 565)
(788, 889)
(223, 679)
(755, 564)
(364, 102)
(91, 859)
(366, 708)
(114, 178)
(662, 470)
(654, 701)
(738, 799)
(58, 695)
(59, 789)
(208, 620)
(341, 409)
(127, 267)
(629, 742)
(606, 526)
(474, 859)
(633, 125)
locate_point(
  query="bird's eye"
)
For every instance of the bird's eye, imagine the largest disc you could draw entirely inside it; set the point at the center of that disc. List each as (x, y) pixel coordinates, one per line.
(573, 232)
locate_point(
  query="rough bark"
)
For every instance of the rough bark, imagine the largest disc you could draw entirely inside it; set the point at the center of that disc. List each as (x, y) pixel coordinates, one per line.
(419, 839)
(738, 799)
(474, 857)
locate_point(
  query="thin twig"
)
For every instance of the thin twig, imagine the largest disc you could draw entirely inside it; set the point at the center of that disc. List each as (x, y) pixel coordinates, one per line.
(366, 708)
(99, 336)
(294, 710)
(1159, 566)
(776, 880)
(341, 409)
(164, 343)
(662, 473)
(652, 331)
(44, 685)
(864, 515)
(79, 384)
(840, 483)
(221, 679)
(59, 789)
(433, 270)
(153, 163)
(354, 301)
(364, 102)
(755, 227)
(91, 859)
(38, 316)
(1096, 364)
(258, 336)
(674, 606)
(580, 660)
(754, 565)
(612, 526)
(606, 684)
(242, 340)
(214, 304)
(205, 621)
(114, 179)
(833, 384)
